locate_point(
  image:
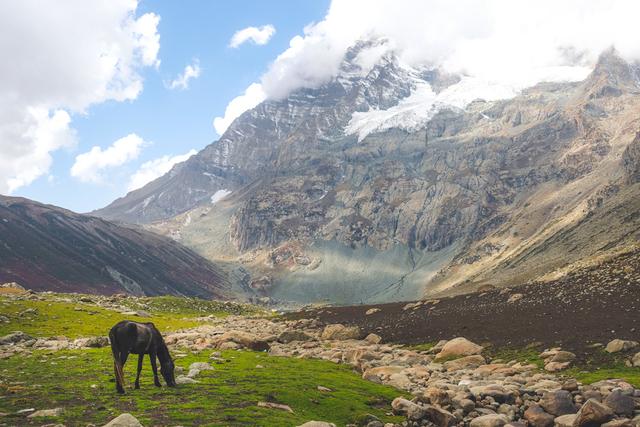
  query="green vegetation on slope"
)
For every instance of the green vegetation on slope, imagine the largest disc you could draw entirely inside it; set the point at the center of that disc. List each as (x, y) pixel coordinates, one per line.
(81, 383)
(67, 315)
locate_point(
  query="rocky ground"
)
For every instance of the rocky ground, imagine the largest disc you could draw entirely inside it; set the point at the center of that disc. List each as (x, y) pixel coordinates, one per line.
(452, 382)
(579, 312)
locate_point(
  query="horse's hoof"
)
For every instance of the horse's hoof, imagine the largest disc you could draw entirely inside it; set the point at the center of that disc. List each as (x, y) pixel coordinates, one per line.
(120, 391)
(137, 386)
(158, 385)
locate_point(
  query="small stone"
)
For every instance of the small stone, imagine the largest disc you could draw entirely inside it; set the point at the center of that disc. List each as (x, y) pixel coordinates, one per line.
(56, 412)
(490, 420)
(324, 389)
(272, 405)
(182, 379)
(317, 424)
(372, 311)
(124, 420)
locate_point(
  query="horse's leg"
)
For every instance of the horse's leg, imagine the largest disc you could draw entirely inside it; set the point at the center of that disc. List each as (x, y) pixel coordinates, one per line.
(140, 357)
(118, 372)
(154, 366)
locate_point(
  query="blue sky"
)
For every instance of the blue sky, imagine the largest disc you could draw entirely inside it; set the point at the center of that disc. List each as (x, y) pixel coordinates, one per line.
(175, 121)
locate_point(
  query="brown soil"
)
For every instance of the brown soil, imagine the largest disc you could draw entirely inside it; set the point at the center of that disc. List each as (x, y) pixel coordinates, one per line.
(589, 306)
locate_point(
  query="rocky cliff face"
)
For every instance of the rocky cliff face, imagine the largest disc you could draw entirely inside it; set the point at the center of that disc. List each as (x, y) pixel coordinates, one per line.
(445, 196)
(47, 248)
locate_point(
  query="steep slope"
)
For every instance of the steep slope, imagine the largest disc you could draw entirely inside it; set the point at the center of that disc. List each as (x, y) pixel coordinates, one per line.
(381, 185)
(44, 247)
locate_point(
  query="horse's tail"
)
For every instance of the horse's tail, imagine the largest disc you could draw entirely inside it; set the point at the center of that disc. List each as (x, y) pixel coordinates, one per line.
(117, 363)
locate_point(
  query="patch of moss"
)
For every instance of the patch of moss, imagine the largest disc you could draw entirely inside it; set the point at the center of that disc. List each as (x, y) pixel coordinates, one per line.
(80, 381)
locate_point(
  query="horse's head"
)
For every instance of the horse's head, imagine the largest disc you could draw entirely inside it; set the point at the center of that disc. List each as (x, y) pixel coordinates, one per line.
(167, 369)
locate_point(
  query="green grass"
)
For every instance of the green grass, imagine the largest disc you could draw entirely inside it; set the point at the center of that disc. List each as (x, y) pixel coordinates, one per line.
(601, 365)
(78, 319)
(228, 395)
(526, 355)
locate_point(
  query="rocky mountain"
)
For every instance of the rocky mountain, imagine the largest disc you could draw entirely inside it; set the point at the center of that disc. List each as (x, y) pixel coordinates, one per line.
(383, 185)
(44, 247)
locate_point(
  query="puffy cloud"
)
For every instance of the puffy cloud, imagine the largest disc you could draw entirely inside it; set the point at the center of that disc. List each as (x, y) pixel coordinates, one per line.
(61, 61)
(89, 166)
(155, 168)
(508, 42)
(252, 96)
(258, 35)
(191, 71)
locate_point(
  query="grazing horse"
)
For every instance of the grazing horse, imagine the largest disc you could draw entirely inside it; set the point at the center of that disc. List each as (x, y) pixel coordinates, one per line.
(140, 338)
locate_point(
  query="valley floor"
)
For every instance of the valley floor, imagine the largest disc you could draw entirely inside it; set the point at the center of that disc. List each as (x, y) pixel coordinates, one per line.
(338, 365)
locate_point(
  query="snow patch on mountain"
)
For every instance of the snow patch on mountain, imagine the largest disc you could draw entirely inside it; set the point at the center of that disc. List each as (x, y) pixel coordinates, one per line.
(410, 114)
(414, 112)
(219, 195)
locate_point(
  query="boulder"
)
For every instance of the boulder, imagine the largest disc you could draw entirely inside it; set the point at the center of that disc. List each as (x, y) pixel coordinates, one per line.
(537, 417)
(620, 403)
(124, 420)
(340, 332)
(490, 420)
(459, 347)
(286, 337)
(373, 339)
(558, 403)
(380, 373)
(439, 416)
(467, 362)
(562, 357)
(412, 411)
(592, 413)
(618, 345)
(556, 366)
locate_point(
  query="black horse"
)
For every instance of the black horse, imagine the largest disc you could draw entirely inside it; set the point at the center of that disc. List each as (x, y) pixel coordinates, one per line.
(140, 338)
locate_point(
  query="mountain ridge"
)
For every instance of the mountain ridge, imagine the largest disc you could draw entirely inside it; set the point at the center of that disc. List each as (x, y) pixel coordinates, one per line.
(49, 248)
(443, 207)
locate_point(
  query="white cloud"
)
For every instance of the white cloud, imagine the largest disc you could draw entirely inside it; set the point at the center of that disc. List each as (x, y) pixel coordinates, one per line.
(89, 166)
(191, 71)
(500, 40)
(258, 35)
(252, 96)
(155, 168)
(61, 61)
